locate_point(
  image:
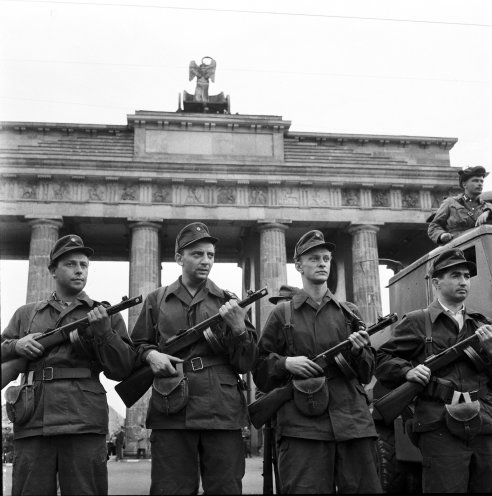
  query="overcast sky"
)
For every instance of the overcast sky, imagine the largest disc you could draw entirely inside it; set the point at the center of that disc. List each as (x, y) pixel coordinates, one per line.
(420, 68)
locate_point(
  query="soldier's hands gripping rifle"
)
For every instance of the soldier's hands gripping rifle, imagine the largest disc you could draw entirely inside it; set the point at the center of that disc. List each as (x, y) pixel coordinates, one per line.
(135, 386)
(393, 403)
(69, 332)
(267, 406)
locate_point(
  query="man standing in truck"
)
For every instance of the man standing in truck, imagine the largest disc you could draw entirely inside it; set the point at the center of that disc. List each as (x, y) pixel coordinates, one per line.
(453, 416)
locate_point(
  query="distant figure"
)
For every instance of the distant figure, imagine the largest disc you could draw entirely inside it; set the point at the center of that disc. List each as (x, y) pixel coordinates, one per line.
(246, 435)
(203, 73)
(458, 214)
(120, 444)
(142, 443)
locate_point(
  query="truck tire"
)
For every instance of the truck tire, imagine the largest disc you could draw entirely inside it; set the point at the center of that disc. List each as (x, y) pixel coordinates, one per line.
(395, 476)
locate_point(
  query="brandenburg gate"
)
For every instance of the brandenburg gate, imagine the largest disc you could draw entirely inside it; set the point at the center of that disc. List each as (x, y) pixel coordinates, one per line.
(128, 189)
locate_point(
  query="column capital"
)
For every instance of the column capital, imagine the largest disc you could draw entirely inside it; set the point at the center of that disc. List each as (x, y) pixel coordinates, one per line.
(55, 220)
(135, 223)
(273, 224)
(356, 228)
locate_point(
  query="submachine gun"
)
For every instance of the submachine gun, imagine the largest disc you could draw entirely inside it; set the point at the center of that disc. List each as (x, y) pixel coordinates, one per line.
(135, 386)
(393, 403)
(265, 407)
(69, 332)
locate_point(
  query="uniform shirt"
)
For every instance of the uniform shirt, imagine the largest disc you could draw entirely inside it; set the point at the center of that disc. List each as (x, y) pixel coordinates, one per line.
(69, 406)
(215, 401)
(455, 216)
(406, 349)
(316, 329)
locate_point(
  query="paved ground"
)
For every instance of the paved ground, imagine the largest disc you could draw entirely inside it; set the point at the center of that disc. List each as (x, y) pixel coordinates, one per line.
(133, 477)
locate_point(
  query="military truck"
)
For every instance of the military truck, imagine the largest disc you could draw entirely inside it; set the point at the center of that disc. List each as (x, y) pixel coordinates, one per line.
(399, 460)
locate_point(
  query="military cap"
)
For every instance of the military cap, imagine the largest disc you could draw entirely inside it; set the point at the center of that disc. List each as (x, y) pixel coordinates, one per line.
(66, 244)
(465, 174)
(310, 240)
(196, 231)
(284, 293)
(450, 258)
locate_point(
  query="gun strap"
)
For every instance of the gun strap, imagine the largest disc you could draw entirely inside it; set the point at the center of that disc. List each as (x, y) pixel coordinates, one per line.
(155, 313)
(287, 308)
(428, 332)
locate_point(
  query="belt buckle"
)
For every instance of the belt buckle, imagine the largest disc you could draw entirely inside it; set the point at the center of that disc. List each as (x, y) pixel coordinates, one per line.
(197, 367)
(50, 369)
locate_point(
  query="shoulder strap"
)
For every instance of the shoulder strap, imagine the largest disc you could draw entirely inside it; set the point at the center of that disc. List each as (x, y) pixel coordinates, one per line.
(155, 310)
(287, 308)
(428, 332)
(35, 309)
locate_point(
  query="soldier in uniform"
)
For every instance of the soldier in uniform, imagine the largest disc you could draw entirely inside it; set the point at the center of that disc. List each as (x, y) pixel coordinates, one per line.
(285, 293)
(326, 440)
(453, 416)
(61, 418)
(196, 430)
(458, 214)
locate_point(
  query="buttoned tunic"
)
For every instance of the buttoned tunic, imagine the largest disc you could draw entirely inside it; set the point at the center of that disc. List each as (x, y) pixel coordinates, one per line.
(69, 406)
(314, 330)
(406, 349)
(455, 216)
(215, 401)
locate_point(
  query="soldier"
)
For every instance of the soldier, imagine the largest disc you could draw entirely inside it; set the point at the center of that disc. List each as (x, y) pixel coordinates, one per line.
(457, 455)
(197, 408)
(285, 293)
(61, 420)
(331, 445)
(458, 214)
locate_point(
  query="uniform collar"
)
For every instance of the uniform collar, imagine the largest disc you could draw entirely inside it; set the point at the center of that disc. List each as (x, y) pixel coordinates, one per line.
(178, 290)
(436, 308)
(467, 199)
(301, 297)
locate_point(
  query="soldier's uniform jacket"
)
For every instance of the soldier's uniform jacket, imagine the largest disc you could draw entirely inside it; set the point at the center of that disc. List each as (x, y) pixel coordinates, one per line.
(406, 349)
(315, 330)
(455, 216)
(69, 406)
(215, 401)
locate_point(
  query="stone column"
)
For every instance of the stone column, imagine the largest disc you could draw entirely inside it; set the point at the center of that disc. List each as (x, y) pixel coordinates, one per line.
(145, 276)
(44, 234)
(365, 261)
(273, 263)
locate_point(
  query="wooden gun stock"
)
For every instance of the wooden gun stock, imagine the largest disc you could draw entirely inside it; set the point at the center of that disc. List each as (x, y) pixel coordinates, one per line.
(131, 389)
(393, 403)
(12, 368)
(267, 405)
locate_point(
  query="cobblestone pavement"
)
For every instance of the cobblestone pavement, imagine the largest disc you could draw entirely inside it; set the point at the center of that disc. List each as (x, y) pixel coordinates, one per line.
(133, 477)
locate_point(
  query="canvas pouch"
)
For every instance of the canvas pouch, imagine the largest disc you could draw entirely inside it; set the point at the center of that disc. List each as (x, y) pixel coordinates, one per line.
(20, 401)
(463, 419)
(311, 395)
(170, 394)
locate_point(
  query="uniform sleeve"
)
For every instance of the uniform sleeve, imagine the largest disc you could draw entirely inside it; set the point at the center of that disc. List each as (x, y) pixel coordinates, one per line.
(115, 351)
(269, 371)
(438, 225)
(242, 350)
(398, 355)
(144, 331)
(10, 336)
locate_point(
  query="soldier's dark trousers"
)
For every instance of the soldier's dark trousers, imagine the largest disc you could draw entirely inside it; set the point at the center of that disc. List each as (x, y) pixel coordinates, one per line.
(323, 467)
(78, 459)
(179, 457)
(451, 465)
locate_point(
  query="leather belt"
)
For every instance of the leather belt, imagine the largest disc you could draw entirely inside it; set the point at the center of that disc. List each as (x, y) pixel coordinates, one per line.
(198, 363)
(53, 373)
(437, 389)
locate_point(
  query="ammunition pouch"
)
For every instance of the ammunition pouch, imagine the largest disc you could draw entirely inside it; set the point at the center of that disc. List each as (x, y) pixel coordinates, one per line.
(170, 394)
(463, 419)
(20, 401)
(311, 395)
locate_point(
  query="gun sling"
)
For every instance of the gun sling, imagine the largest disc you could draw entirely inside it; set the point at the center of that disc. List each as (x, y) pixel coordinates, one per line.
(56, 373)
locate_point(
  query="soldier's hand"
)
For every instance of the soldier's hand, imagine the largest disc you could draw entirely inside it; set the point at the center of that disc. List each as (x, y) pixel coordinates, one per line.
(445, 238)
(233, 315)
(28, 347)
(420, 374)
(162, 364)
(301, 366)
(359, 340)
(484, 334)
(482, 218)
(99, 322)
